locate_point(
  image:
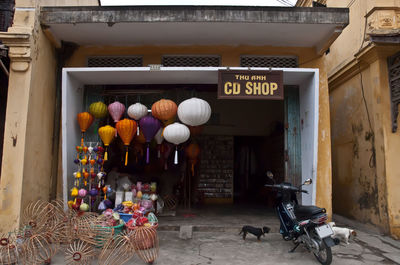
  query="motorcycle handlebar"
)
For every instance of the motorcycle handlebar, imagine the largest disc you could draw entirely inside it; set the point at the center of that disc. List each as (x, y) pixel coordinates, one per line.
(285, 187)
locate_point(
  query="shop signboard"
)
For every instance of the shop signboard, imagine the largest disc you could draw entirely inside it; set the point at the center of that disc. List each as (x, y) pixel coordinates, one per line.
(249, 84)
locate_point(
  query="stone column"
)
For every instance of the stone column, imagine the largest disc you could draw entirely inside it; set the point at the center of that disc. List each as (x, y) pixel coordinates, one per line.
(11, 182)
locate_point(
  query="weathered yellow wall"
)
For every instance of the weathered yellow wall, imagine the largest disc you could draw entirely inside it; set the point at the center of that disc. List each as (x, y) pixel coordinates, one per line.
(29, 118)
(152, 54)
(365, 176)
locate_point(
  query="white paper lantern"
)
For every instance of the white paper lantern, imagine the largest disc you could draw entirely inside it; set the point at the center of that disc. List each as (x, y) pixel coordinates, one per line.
(194, 111)
(159, 139)
(137, 111)
(176, 133)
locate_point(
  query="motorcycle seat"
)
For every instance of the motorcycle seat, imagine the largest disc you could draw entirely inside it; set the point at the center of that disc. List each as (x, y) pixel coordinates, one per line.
(307, 212)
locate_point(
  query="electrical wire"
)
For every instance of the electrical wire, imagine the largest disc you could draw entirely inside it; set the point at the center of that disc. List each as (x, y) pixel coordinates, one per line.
(372, 159)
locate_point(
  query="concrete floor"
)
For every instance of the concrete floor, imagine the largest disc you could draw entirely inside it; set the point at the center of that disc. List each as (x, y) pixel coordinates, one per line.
(216, 241)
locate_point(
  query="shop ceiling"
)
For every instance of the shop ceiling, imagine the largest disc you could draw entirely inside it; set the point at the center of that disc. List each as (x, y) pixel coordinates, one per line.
(196, 25)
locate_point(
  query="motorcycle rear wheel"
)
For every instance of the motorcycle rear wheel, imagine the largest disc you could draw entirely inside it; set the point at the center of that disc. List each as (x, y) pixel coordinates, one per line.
(324, 256)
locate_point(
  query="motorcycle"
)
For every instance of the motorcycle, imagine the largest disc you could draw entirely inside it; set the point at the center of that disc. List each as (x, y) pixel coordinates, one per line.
(303, 224)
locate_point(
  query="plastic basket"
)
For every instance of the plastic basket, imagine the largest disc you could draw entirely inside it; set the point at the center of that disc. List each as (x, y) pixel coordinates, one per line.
(125, 216)
(102, 231)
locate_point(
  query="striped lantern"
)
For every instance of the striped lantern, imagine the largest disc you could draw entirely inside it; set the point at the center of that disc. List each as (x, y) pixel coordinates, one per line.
(116, 110)
(98, 109)
(137, 111)
(194, 111)
(164, 109)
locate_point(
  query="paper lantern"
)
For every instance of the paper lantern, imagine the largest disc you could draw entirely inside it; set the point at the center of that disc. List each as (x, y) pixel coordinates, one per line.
(164, 109)
(169, 121)
(159, 139)
(126, 130)
(107, 135)
(192, 152)
(116, 110)
(150, 127)
(98, 109)
(85, 119)
(176, 133)
(194, 111)
(136, 112)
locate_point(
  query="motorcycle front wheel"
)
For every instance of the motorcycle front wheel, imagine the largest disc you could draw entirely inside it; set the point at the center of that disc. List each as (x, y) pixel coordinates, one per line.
(324, 256)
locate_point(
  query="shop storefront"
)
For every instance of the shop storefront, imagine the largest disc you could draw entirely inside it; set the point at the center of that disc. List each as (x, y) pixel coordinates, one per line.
(264, 118)
(134, 48)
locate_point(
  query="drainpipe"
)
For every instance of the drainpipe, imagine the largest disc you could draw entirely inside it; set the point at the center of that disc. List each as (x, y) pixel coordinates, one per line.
(63, 53)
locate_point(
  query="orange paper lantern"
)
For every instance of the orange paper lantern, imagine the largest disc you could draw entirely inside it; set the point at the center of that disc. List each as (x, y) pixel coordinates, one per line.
(164, 109)
(85, 119)
(126, 130)
(192, 151)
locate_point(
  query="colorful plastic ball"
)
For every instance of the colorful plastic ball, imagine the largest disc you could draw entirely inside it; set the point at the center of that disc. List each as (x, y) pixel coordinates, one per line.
(76, 161)
(84, 207)
(86, 174)
(70, 203)
(92, 174)
(78, 149)
(84, 161)
(85, 149)
(90, 149)
(82, 192)
(95, 149)
(78, 175)
(92, 162)
(100, 161)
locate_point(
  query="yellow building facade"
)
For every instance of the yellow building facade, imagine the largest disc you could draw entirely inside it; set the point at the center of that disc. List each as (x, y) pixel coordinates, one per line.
(365, 173)
(31, 164)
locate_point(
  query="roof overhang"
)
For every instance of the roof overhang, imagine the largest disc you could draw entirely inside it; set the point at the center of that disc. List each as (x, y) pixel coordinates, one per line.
(196, 25)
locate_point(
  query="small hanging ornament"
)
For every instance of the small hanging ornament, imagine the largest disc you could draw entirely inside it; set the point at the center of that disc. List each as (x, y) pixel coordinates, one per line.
(136, 112)
(98, 109)
(126, 130)
(150, 127)
(176, 133)
(107, 135)
(85, 119)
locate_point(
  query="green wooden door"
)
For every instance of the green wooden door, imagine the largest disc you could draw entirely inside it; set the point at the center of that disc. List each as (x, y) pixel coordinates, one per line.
(292, 136)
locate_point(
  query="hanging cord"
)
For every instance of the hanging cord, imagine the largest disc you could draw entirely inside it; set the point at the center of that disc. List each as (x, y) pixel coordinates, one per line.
(371, 135)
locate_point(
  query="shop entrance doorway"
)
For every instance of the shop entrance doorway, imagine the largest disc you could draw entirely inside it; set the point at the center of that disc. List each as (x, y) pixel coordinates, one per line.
(75, 80)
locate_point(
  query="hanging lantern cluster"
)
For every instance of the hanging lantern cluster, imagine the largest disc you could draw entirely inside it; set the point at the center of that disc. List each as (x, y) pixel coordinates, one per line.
(159, 125)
